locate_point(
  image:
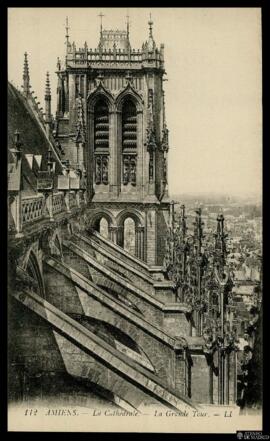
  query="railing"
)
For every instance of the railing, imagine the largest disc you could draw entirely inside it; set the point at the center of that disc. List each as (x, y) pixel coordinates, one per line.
(72, 200)
(27, 209)
(96, 57)
(33, 208)
(58, 203)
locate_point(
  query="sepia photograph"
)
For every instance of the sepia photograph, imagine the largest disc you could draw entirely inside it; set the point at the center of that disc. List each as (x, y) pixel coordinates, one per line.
(135, 220)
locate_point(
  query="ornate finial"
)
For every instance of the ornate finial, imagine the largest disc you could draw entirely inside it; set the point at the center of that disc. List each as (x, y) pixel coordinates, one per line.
(198, 230)
(58, 65)
(220, 237)
(101, 16)
(26, 77)
(47, 87)
(150, 44)
(67, 29)
(127, 16)
(220, 244)
(183, 223)
(150, 26)
(47, 114)
(49, 159)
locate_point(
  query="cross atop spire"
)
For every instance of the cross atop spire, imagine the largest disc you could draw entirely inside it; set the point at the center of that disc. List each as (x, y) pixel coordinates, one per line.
(150, 22)
(26, 77)
(128, 23)
(101, 16)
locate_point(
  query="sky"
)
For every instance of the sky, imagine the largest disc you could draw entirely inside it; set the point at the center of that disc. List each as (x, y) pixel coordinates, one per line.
(213, 93)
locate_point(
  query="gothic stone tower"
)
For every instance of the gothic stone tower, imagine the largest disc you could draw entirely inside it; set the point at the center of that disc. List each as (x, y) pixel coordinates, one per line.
(110, 122)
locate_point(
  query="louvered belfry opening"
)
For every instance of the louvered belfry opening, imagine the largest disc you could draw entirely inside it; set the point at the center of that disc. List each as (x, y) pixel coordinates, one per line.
(129, 142)
(101, 127)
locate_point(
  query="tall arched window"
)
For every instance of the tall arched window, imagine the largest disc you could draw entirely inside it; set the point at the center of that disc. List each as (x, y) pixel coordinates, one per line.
(129, 235)
(104, 227)
(101, 142)
(101, 224)
(129, 142)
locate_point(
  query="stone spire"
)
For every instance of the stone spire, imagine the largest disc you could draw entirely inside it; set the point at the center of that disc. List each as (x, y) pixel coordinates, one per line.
(26, 77)
(127, 26)
(128, 42)
(151, 45)
(182, 221)
(68, 44)
(198, 231)
(220, 244)
(48, 116)
(101, 31)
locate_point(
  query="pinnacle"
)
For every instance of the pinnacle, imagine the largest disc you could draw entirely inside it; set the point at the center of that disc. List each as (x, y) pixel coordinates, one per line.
(26, 77)
(47, 87)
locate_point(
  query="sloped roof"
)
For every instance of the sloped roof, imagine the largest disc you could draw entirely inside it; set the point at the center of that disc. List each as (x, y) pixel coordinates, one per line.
(21, 117)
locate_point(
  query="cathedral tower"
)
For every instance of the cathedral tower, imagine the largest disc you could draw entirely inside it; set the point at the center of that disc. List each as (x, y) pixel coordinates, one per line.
(110, 121)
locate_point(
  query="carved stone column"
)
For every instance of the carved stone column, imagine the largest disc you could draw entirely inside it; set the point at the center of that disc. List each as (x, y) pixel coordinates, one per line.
(113, 233)
(80, 155)
(66, 198)
(49, 205)
(78, 198)
(120, 236)
(139, 242)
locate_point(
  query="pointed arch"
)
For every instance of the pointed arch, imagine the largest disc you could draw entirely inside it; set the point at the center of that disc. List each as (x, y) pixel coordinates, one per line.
(33, 269)
(132, 94)
(100, 92)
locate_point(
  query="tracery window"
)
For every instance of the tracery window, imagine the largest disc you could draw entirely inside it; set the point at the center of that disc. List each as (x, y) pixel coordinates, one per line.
(129, 142)
(101, 142)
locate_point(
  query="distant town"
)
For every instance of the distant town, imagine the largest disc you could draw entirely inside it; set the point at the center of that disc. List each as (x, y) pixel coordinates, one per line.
(243, 225)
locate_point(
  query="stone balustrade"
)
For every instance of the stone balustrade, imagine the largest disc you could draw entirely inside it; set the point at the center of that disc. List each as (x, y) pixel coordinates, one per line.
(33, 208)
(58, 203)
(94, 57)
(25, 210)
